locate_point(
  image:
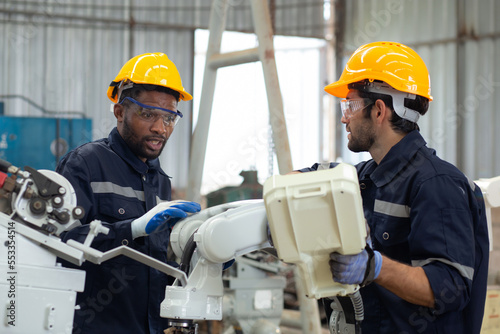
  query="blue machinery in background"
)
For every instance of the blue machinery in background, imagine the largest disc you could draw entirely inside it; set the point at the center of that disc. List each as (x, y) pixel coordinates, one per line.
(40, 142)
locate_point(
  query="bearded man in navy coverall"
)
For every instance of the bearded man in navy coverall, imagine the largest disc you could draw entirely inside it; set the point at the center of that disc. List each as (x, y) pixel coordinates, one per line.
(119, 181)
(426, 269)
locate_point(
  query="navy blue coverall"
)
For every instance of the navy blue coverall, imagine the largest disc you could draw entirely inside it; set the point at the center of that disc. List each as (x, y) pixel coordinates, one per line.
(422, 211)
(113, 185)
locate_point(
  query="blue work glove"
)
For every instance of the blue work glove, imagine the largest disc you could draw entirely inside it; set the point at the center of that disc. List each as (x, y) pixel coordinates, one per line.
(361, 268)
(165, 214)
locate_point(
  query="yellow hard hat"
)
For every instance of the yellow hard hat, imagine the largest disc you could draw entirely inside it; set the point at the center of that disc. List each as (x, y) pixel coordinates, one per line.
(394, 63)
(152, 69)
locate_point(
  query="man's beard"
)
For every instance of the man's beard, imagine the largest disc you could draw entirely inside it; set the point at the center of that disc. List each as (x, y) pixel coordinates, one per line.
(363, 140)
(137, 145)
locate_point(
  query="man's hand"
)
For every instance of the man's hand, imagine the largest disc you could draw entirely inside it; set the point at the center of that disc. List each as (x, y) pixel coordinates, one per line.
(165, 214)
(361, 268)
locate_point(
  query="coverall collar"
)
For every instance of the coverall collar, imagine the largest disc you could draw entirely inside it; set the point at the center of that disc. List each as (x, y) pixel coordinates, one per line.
(121, 148)
(398, 157)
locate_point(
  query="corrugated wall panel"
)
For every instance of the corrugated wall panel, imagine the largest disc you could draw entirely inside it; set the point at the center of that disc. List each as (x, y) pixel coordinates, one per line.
(291, 17)
(439, 126)
(479, 105)
(414, 22)
(482, 85)
(299, 18)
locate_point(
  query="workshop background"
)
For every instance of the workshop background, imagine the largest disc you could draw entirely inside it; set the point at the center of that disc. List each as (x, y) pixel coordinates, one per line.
(59, 56)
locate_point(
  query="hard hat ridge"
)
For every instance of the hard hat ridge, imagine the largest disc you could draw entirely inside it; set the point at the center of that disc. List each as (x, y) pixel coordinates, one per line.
(393, 63)
(150, 69)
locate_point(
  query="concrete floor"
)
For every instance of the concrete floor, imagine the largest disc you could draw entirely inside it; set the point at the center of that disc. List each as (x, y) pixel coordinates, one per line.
(491, 320)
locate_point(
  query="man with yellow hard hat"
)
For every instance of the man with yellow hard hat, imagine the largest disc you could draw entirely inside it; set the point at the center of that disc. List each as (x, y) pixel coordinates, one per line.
(425, 266)
(118, 180)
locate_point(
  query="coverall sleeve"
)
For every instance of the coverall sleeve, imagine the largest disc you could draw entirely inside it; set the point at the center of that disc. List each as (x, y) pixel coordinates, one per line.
(316, 166)
(74, 168)
(442, 240)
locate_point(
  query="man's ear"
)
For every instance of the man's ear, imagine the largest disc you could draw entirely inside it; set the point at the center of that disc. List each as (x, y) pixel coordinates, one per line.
(119, 112)
(380, 112)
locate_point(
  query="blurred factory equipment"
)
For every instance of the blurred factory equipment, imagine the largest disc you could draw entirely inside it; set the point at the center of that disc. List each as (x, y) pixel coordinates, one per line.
(40, 142)
(250, 188)
(253, 294)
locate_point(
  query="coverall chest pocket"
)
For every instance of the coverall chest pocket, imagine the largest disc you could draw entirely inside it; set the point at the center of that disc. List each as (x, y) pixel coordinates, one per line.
(391, 234)
(120, 208)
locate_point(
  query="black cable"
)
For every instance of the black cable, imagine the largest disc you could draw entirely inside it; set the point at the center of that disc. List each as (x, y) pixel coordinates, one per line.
(187, 255)
(359, 310)
(4, 166)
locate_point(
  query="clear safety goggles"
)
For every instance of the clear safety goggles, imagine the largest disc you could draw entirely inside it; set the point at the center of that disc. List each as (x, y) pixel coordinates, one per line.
(350, 107)
(151, 114)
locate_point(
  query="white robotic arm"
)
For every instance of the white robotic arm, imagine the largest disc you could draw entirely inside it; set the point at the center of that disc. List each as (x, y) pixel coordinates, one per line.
(233, 233)
(304, 212)
(219, 238)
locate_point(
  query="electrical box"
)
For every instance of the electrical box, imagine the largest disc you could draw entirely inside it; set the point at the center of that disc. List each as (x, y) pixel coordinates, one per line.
(40, 142)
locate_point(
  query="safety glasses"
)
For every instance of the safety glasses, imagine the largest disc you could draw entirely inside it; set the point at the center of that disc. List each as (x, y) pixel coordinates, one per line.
(151, 114)
(350, 107)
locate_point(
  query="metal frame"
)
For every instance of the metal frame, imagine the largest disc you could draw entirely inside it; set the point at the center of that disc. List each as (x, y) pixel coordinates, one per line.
(215, 60)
